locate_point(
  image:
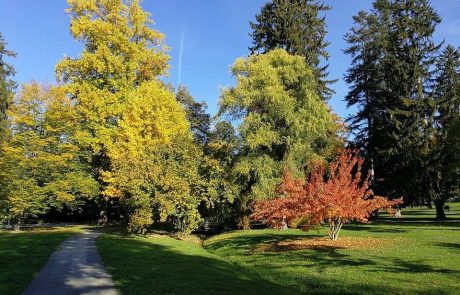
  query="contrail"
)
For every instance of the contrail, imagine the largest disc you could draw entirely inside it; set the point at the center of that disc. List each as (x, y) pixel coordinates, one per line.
(181, 50)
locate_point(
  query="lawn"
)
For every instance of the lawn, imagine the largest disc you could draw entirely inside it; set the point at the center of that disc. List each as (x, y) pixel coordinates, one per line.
(411, 255)
(24, 253)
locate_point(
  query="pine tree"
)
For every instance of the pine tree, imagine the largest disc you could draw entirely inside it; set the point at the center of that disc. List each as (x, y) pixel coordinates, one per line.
(200, 121)
(445, 165)
(6, 86)
(393, 53)
(298, 27)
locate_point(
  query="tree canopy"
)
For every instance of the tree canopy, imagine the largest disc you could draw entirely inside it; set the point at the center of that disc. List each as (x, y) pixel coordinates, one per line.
(282, 120)
(299, 27)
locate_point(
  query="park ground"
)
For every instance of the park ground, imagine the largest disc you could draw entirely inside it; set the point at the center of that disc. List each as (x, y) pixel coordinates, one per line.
(410, 255)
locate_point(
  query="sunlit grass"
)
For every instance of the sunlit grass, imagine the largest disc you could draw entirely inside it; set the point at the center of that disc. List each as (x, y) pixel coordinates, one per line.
(411, 255)
(24, 253)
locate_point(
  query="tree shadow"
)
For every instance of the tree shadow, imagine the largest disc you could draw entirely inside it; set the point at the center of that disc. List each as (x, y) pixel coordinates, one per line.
(452, 246)
(399, 265)
(324, 260)
(140, 267)
(374, 229)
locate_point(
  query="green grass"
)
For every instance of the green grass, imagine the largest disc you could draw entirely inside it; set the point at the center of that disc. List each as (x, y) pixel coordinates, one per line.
(422, 257)
(164, 265)
(24, 253)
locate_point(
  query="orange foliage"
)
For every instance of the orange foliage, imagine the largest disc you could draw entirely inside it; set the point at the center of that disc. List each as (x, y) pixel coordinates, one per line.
(336, 196)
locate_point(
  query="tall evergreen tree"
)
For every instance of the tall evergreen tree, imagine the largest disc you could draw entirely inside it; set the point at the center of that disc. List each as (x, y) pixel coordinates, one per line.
(393, 52)
(200, 121)
(6, 85)
(445, 163)
(299, 27)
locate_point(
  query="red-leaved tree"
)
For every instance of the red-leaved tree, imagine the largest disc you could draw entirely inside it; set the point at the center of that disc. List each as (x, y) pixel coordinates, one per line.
(336, 196)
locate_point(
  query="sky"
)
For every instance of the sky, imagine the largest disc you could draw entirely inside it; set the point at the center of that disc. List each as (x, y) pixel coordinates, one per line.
(205, 37)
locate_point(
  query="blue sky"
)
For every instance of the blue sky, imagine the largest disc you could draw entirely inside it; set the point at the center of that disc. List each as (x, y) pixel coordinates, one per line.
(214, 34)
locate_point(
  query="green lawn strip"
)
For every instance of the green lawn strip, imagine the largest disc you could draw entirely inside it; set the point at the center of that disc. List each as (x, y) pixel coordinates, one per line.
(422, 258)
(24, 253)
(164, 265)
(418, 256)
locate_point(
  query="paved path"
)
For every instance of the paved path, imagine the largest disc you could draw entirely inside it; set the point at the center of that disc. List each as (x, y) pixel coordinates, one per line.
(75, 268)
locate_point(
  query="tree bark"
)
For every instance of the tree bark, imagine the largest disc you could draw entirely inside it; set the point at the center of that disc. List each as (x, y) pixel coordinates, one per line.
(334, 229)
(440, 215)
(17, 226)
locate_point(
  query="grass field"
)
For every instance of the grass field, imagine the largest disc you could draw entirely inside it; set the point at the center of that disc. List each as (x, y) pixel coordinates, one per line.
(24, 253)
(411, 255)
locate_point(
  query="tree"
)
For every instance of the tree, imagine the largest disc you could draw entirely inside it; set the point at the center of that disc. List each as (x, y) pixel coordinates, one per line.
(281, 121)
(445, 163)
(298, 27)
(131, 121)
(393, 55)
(6, 87)
(200, 121)
(336, 196)
(220, 155)
(41, 165)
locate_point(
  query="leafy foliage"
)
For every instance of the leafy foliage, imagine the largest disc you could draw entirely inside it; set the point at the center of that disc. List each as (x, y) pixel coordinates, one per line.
(132, 124)
(282, 121)
(41, 165)
(339, 197)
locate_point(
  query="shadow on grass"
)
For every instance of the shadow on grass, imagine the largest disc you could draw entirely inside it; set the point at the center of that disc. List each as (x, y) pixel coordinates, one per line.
(142, 267)
(323, 260)
(452, 246)
(399, 266)
(402, 225)
(22, 254)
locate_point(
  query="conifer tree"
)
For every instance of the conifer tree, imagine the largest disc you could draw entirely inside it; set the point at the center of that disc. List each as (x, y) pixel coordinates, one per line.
(445, 162)
(299, 27)
(6, 86)
(393, 53)
(200, 121)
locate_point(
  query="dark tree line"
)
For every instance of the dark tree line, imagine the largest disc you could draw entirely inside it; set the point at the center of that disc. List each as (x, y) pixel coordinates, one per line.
(407, 95)
(406, 88)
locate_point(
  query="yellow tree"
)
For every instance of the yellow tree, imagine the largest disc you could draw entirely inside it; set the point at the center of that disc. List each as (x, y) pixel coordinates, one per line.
(130, 119)
(41, 165)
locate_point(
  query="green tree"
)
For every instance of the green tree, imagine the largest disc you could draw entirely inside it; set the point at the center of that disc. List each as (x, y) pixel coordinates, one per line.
(41, 165)
(393, 53)
(221, 152)
(6, 86)
(214, 154)
(281, 120)
(200, 121)
(299, 27)
(445, 165)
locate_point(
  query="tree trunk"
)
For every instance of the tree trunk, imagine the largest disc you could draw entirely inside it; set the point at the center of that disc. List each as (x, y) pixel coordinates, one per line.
(334, 229)
(440, 215)
(245, 222)
(17, 226)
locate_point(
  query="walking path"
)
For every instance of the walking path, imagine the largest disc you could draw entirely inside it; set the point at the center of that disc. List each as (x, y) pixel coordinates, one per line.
(76, 268)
